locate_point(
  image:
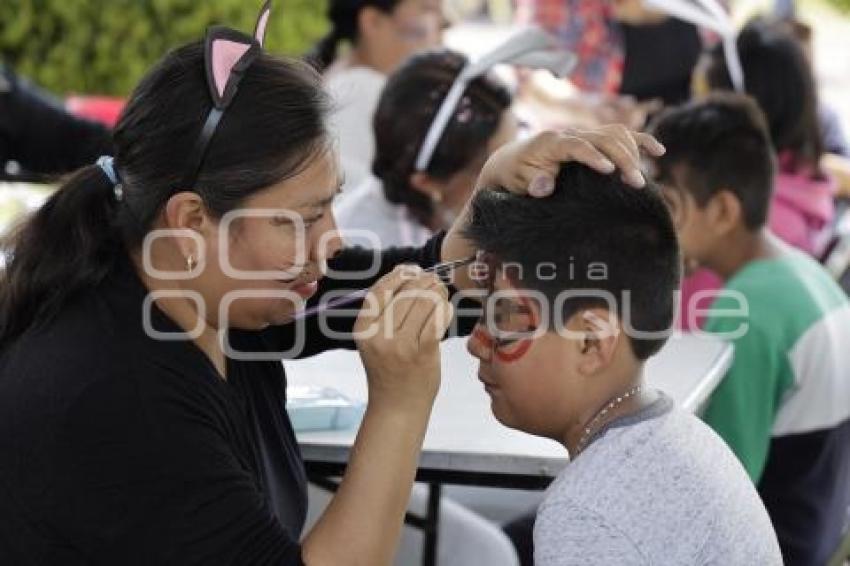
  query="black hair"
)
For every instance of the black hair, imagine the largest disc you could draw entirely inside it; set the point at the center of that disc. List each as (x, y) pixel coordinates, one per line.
(591, 219)
(272, 130)
(723, 143)
(405, 111)
(779, 76)
(343, 16)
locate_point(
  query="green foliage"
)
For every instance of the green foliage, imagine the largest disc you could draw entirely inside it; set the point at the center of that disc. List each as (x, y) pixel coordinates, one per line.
(105, 46)
(843, 5)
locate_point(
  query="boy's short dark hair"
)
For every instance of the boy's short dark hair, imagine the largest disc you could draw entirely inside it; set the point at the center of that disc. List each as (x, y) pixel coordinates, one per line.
(590, 219)
(719, 143)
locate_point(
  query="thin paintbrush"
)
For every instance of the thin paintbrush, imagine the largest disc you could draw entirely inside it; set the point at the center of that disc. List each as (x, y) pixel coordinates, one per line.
(441, 269)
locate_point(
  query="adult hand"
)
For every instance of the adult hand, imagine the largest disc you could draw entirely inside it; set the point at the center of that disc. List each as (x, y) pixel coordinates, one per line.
(530, 166)
(398, 332)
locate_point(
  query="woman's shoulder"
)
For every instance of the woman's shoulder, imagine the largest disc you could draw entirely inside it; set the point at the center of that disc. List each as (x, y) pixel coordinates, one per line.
(92, 344)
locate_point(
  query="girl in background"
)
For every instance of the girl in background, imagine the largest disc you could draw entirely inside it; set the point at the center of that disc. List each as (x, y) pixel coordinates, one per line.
(778, 76)
(380, 35)
(403, 206)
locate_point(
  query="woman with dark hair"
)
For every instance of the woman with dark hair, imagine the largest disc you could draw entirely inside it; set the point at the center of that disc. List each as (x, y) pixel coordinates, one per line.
(778, 75)
(401, 205)
(380, 34)
(146, 306)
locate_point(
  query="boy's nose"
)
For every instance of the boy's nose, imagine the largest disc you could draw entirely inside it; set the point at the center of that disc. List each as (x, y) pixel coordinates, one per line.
(479, 344)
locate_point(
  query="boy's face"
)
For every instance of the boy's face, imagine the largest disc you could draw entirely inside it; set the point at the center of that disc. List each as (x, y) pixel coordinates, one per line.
(694, 223)
(523, 371)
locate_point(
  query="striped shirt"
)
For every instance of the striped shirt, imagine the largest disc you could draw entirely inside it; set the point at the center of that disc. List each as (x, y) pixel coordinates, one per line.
(784, 405)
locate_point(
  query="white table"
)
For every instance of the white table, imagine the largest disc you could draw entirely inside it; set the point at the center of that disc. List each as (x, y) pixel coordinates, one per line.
(464, 443)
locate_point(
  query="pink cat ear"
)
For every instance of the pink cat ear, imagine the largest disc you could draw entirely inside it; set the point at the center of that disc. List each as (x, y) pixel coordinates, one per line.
(225, 55)
(228, 54)
(262, 22)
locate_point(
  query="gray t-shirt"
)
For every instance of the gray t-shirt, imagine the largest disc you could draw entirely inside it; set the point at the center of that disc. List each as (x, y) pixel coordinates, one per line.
(657, 487)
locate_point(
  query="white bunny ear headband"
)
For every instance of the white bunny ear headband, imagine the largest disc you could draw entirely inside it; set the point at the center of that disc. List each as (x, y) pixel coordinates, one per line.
(711, 15)
(531, 47)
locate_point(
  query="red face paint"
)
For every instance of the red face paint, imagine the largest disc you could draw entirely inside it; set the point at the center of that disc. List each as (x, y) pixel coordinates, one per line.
(515, 350)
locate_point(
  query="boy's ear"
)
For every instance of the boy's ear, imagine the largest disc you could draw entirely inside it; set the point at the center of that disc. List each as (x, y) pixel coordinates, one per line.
(725, 212)
(423, 183)
(601, 335)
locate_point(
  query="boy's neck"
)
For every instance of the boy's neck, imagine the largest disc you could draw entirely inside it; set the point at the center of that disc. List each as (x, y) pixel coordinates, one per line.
(596, 403)
(744, 247)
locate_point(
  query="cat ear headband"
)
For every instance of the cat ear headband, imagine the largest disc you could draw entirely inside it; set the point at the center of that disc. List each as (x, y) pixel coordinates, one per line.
(228, 54)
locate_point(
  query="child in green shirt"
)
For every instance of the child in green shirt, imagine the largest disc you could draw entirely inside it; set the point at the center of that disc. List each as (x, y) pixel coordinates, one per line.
(784, 405)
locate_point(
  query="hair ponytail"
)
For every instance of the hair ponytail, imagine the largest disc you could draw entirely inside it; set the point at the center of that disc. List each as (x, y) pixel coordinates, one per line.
(70, 244)
(344, 17)
(324, 52)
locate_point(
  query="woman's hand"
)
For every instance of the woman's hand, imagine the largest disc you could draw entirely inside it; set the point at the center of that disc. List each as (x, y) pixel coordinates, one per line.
(398, 334)
(530, 167)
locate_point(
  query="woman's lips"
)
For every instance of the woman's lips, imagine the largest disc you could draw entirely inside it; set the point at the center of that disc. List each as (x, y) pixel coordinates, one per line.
(306, 290)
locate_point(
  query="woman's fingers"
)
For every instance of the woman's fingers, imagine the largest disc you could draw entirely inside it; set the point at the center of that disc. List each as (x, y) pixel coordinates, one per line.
(617, 143)
(381, 295)
(530, 166)
(398, 338)
(583, 148)
(435, 326)
(406, 315)
(537, 173)
(422, 302)
(400, 302)
(649, 144)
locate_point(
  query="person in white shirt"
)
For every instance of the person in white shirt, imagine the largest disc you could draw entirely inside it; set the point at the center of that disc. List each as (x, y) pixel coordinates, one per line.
(381, 34)
(400, 205)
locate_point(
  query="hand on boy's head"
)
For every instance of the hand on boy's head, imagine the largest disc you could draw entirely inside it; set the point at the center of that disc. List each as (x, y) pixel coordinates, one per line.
(530, 166)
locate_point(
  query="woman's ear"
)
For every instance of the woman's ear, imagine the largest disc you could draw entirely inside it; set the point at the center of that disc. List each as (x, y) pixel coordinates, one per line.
(425, 184)
(185, 212)
(600, 335)
(725, 212)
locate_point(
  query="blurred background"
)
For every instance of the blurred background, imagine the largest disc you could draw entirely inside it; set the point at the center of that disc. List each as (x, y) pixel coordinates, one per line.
(103, 47)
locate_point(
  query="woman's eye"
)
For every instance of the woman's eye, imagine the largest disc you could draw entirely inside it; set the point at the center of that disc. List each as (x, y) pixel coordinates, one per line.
(310, 221)
(286, 221)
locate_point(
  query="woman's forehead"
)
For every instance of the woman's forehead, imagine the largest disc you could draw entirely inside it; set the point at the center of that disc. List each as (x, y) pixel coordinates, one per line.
(314, 186)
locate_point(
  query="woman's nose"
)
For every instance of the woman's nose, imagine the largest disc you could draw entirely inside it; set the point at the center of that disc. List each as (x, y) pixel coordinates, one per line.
(330, 244)
(479, 344)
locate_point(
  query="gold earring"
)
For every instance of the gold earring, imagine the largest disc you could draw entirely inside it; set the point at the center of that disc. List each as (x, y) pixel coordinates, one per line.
(437, 197)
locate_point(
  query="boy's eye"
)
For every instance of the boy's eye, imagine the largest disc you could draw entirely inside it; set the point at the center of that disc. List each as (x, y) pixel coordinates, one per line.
(509, 322)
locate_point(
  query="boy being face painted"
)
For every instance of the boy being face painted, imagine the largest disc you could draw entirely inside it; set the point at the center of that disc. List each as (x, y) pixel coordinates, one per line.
(563, 277)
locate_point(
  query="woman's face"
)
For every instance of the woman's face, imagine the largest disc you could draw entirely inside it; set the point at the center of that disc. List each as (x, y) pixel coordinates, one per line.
(413, 26)
(265, 258)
